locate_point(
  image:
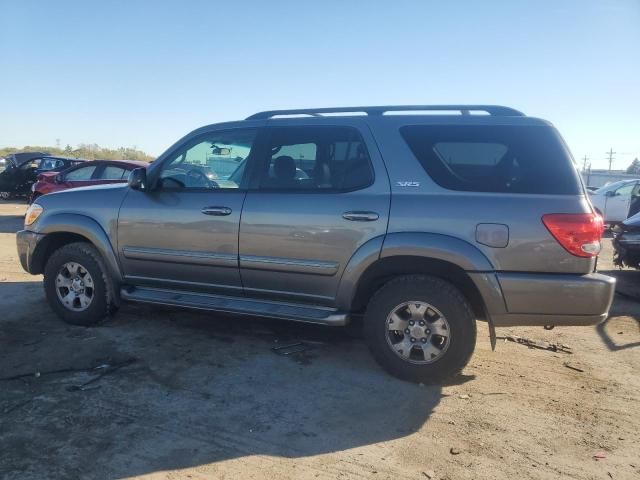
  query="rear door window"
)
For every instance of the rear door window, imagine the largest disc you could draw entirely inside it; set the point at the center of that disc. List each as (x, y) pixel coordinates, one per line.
(488, 158)
(112, 172)
(80, 174)
(316, 158)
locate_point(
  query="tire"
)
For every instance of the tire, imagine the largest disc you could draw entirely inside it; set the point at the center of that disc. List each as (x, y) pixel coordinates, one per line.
(6, 196)
(433, 358)
(84, 259)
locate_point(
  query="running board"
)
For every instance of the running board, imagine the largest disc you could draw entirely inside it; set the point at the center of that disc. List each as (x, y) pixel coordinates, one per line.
(237, 305)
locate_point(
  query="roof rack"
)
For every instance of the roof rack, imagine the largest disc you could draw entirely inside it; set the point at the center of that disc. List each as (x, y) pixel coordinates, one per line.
(494, 110)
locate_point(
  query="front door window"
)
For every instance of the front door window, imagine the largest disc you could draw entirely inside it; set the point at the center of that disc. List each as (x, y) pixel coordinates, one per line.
(214, 161)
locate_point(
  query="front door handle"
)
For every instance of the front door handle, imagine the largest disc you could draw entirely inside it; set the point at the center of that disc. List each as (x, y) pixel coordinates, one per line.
(361, 216)
(217, 211)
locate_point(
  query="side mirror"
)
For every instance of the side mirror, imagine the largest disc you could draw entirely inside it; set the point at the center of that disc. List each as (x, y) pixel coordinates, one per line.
(59, 178)
(138, 178)
(610, 193)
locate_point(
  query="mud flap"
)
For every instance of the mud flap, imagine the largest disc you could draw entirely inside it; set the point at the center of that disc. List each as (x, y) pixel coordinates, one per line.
(492, 335)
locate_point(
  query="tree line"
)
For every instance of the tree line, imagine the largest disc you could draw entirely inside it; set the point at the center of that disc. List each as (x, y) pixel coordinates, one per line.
(85, 151)
(634, 168)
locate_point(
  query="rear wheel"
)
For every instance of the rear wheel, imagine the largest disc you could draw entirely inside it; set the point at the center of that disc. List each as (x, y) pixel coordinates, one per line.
(77, 285)
(420, 328)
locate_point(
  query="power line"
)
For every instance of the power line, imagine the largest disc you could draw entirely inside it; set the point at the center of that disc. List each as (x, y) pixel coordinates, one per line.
(610, 153)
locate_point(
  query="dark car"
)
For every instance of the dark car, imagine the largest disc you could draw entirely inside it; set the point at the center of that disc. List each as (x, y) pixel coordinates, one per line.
(626, 243)
(22, 169)
(96, 172)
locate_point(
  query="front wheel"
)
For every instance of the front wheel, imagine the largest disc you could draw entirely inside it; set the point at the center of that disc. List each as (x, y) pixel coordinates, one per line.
(77, 285)
(420, 328)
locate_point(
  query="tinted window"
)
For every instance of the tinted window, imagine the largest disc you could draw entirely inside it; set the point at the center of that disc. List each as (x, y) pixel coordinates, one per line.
(211, 161)
(316, 158)
(508, 159)
(83, 173)
(111, 172)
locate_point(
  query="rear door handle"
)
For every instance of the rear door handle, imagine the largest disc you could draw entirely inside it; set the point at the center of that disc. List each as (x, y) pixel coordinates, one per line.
(361, 216)
(217, 211)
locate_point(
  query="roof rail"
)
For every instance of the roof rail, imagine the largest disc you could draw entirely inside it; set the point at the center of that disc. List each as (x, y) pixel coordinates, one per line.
(495, 110)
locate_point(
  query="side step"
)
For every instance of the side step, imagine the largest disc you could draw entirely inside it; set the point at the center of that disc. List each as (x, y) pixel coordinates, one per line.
(237, 305)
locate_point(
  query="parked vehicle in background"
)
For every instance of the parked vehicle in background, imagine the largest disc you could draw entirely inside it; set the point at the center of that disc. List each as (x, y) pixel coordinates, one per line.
(614, 201)
(22, 170)
(95, 172)
(11, 175)
(423, 222)
(626, 242)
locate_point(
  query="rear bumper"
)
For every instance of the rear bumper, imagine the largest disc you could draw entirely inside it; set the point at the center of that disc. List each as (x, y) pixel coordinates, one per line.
(27, 242)
(549, 299)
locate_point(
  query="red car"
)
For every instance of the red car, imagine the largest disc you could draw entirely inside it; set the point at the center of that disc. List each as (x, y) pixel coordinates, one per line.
(96, 172)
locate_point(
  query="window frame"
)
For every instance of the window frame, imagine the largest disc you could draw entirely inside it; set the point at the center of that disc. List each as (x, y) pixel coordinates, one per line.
(264, 159)
(190, 141)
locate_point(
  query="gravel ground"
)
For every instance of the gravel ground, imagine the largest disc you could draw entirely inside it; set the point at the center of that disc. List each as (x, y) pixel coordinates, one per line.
(198, 395)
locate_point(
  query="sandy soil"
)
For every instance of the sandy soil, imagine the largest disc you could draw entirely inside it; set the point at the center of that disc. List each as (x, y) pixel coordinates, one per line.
(196, 395)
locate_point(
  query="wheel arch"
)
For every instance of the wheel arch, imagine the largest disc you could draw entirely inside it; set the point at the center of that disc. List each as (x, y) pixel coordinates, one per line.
(389, 268)
(62, 229)
(449, 258)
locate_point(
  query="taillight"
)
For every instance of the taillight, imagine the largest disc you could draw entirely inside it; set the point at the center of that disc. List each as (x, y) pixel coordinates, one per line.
(578, 233)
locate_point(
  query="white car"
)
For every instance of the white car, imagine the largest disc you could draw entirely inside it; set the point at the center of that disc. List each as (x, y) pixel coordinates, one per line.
(612, 201)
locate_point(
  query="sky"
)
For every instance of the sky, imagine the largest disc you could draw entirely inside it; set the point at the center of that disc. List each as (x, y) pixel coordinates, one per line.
(144, 73)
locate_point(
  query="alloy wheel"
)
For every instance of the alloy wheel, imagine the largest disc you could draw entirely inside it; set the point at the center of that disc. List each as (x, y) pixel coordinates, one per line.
(418, 332)
(74, 287)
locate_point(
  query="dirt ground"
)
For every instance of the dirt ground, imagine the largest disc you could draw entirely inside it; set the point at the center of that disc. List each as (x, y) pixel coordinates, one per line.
(198, 395)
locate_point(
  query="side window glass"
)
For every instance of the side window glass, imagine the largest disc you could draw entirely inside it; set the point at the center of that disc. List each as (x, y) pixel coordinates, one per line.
(625, 190)
(492, 158)
(112, 172)
(316, 159)
(80, 174)
(216, 160)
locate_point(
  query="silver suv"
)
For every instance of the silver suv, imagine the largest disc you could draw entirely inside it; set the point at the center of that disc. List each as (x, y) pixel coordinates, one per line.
(422, 218)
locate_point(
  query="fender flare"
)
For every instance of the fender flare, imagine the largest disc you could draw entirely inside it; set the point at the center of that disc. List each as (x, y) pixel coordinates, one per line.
(90, 229)
(438, 246)
(414, 244)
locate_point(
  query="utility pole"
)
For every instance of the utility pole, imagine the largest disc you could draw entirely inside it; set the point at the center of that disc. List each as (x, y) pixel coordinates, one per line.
(584, 164)
(58, 143)
(610, 153)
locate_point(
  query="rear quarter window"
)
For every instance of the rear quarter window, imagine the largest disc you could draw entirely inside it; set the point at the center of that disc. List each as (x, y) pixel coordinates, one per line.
(489, 158)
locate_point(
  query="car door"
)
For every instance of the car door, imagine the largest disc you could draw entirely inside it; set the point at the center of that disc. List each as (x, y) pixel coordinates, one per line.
(617, 204)
(319, 193)
(26, 176)
(181, 232)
